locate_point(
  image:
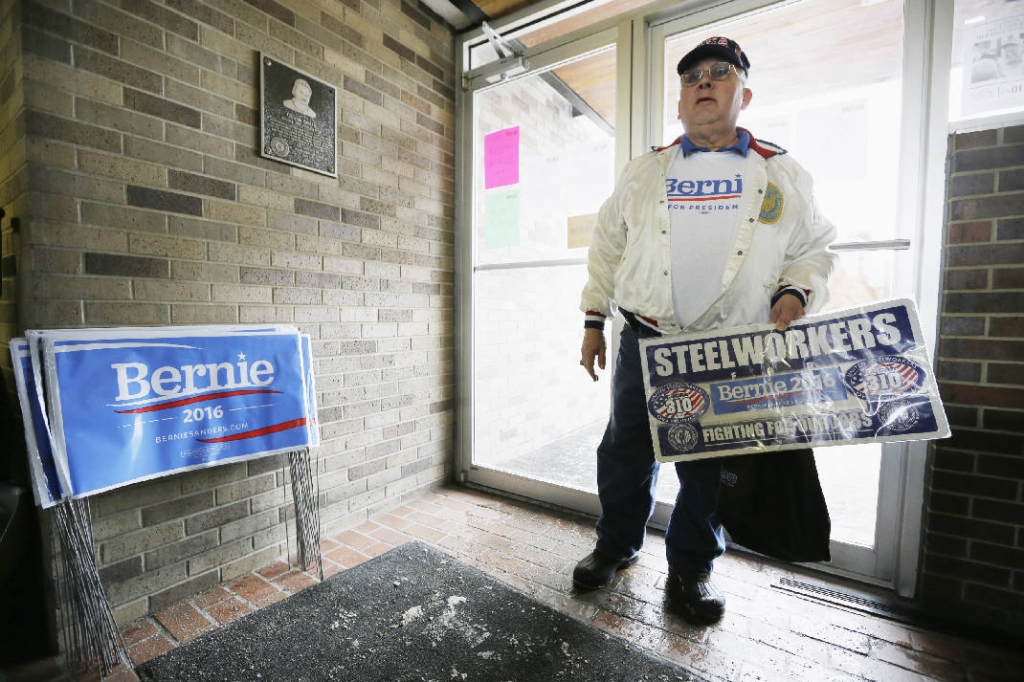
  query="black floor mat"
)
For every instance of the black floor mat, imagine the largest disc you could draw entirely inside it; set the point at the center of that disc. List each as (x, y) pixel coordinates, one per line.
(413, 614)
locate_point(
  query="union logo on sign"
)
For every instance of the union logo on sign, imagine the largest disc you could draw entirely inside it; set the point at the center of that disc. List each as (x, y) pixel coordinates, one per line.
(682, 437)
(678, 403)
(899, 417)
(891, 375)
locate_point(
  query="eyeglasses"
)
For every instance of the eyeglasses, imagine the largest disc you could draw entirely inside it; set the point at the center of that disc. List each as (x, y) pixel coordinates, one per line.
(718, 71)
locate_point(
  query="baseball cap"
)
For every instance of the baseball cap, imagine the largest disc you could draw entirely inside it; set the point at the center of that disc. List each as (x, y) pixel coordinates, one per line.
(720, 47)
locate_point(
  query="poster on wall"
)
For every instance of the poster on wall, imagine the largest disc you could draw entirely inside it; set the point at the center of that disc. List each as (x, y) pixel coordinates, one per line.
(581, 230)
(501, 158)
(857, 375)
(993, 66)
(501, 216)
(297, 118)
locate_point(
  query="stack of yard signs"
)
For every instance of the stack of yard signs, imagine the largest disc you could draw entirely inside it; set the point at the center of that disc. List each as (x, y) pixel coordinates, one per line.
(106, 408)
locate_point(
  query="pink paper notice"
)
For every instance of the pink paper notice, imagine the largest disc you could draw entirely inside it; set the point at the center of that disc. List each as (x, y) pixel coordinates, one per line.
(501, 158)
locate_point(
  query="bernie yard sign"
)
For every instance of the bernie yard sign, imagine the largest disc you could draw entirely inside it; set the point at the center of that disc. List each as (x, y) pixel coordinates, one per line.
(850, 376)
(129, 405)
(105, 408)
(46, 487)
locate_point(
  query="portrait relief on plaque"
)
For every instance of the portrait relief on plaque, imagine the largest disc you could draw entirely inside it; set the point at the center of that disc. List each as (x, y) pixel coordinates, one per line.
(297, 118)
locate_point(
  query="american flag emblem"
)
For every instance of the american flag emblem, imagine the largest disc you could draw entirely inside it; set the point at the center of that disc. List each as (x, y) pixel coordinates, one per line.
(678, 403)
(724, 42)
(887, 376)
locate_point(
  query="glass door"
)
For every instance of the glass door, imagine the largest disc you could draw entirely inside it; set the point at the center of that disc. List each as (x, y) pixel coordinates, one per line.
(549, 110)
(543, 160)
(827, 85)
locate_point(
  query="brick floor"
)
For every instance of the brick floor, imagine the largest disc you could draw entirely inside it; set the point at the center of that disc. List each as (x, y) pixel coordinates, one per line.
(254, 588)
(767, 635)
(229, 610)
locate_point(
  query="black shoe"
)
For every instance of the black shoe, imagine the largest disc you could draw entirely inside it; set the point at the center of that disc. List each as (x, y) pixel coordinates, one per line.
(692, 596)
(597, 570)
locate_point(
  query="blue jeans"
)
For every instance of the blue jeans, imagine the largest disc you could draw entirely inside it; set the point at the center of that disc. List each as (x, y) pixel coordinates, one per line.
(627, 477)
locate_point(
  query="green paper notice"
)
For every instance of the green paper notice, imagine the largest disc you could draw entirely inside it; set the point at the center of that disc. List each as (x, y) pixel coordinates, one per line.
(501, 218)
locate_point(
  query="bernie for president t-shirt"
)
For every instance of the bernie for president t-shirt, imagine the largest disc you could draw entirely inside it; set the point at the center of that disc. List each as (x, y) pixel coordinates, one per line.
(703, 200)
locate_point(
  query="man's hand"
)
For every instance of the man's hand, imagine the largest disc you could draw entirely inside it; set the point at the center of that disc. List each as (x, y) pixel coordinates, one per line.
(785, 310)
(593, 346)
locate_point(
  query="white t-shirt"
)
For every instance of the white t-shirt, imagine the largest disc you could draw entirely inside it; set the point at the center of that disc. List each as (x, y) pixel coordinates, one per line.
(703, 196)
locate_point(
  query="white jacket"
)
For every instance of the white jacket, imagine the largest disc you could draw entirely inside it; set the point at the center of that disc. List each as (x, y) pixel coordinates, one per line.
(781, 240)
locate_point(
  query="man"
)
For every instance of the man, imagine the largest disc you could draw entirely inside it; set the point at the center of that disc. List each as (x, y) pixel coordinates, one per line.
(984, 62)
(1011, 59)
(299, 101)
(716, 230)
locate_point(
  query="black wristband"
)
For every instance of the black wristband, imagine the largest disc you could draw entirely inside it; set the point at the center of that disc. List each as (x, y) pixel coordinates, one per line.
(793, 291)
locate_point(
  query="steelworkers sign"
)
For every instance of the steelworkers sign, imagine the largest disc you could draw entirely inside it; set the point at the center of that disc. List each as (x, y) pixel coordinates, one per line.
(117, 406)
(848, 376)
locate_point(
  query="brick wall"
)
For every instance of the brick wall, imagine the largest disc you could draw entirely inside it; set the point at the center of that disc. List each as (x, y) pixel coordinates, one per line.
(973, 566)
(148, 204)
(13, 174)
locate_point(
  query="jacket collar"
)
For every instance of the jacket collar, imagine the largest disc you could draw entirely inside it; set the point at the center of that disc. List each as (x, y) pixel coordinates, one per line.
(741, 146)
(765, 150)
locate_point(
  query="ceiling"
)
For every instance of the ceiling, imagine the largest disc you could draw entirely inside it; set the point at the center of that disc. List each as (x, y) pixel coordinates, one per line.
(463, 14)
(870, 28)
(586, 84)
(468, 14)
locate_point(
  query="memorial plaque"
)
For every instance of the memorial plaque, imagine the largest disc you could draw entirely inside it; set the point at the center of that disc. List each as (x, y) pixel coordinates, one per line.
(297, 118)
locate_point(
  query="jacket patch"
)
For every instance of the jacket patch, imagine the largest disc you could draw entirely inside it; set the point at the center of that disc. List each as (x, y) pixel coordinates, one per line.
(771, 207)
